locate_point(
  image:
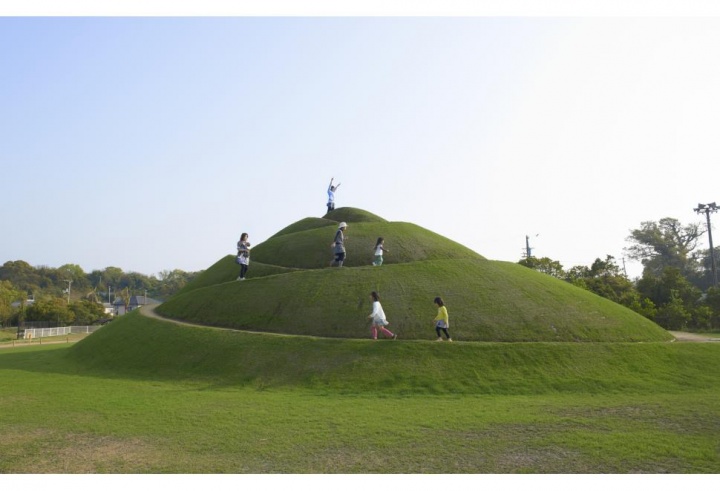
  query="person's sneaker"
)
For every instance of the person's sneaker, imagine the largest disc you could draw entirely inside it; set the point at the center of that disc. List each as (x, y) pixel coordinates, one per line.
(450, 339)
(438, 339)
(394, 336)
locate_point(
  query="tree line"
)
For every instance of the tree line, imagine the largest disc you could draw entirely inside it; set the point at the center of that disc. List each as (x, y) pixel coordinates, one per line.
(67, 294)
(676, 290)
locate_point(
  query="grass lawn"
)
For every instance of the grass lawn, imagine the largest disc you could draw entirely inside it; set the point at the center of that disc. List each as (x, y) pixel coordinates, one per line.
(230, 406)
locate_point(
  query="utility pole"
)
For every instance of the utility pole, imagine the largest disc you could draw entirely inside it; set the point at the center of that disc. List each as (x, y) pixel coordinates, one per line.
(707, 209)
(528, 249)
(69, 282)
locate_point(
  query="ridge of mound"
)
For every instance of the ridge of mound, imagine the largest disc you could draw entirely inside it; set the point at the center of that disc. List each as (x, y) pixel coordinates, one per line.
(310, 248)
(309, 223)
(356, 215)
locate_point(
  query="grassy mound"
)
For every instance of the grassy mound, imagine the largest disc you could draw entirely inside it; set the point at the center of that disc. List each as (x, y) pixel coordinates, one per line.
(309, 247)
(233, 358)
(290, 289)
(354, 215)
(227, 270)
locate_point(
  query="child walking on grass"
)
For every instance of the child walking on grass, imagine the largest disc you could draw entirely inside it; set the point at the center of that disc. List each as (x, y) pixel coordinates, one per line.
(379, 249)
(378, 319)
(442, 321)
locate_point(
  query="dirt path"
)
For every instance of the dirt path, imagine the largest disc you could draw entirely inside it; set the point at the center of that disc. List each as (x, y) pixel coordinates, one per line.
(149, 310)
(692, 337)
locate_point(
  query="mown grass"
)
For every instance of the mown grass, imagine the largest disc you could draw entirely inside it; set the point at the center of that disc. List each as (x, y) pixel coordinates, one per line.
(487, 301)
(146, 396)
(8, 334)
(291, 289)
(143, 395)
(168, 351)
(311, 248)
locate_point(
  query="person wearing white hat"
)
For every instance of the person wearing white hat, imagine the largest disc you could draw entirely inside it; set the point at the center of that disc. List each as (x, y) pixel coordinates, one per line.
(338, 245)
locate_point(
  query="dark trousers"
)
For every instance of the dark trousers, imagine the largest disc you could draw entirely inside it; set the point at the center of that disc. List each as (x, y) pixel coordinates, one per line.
(243, 270)
(444, 329)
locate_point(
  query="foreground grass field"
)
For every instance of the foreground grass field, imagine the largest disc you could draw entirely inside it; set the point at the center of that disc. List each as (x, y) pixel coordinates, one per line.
(148, 396)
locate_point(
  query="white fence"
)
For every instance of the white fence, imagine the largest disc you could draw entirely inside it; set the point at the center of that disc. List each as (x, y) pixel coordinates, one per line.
(58, 331)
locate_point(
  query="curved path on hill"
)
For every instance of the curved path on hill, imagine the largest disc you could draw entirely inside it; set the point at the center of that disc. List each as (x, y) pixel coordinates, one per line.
(149, 311)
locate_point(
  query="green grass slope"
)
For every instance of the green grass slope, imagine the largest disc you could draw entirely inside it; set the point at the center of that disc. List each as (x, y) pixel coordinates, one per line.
(290, 289)
(227, 270)
(311, 248)
(487, 301)
(136, 346)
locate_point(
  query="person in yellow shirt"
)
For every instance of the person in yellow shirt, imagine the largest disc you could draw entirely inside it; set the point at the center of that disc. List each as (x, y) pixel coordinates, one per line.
(442, 321)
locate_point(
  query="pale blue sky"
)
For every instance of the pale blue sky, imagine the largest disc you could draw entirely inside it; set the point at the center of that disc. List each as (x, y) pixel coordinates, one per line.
(152, 143)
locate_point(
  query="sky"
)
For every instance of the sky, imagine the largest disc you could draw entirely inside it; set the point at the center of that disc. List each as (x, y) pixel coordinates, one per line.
(151, 143)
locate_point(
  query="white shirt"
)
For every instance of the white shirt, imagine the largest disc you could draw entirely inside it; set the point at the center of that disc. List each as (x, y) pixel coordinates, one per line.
(378, 314)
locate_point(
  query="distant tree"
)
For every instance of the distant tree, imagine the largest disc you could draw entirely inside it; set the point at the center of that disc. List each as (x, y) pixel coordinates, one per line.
(104, 282)
(680, 304)
(577, 275)
(705, 280)
(712, 301)
(670, 284)
(75, 273)
(674, 315)
(544, 265)
(87, 312)
(172, 281)
(23, 276)
(51, 310)
(665, 244)
(8, 295)
(137, 282)
(604, 278)
(96, 286)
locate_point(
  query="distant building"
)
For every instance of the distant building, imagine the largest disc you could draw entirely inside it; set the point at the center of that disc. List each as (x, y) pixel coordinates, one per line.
(136, 301)
(109, 308)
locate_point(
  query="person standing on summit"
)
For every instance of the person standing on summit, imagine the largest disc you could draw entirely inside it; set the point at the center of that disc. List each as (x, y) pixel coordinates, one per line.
(331, 195)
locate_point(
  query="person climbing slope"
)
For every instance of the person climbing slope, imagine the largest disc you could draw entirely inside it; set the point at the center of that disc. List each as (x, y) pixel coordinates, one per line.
(442, 320)
(338, 245)
(379, 249)
(379, 321)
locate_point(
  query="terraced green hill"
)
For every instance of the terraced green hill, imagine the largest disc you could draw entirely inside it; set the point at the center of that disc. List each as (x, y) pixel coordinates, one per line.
(290, 289)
